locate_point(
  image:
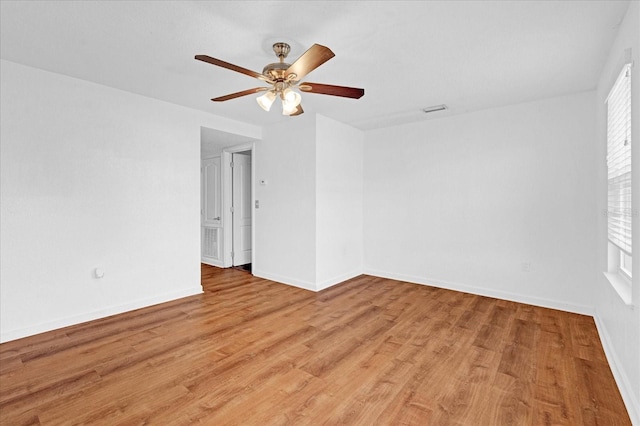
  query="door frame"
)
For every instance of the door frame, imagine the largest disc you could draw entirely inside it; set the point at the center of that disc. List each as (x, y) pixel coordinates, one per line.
(227, 197)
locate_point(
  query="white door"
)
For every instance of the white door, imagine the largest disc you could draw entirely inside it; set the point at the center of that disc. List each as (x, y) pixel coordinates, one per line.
(211, 209)
(241, 209)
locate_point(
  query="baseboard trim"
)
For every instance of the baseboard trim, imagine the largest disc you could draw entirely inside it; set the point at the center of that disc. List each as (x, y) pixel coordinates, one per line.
(212, 263)
(316, 287)
(481, 291)
(630, 399)
(337, 280)
(102, 313)
(306, 285)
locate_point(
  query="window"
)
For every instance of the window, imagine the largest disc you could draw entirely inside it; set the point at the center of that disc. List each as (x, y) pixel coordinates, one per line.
(619, 208)
(625, 264)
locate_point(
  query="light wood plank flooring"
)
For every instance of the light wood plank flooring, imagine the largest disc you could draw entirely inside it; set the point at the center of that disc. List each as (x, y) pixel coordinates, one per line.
(368, 351)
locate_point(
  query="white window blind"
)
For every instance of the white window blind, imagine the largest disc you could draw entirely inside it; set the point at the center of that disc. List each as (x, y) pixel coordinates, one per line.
(619, 161)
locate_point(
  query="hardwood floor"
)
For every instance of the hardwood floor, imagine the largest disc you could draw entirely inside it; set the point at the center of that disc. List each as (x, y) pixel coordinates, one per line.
(368, 351)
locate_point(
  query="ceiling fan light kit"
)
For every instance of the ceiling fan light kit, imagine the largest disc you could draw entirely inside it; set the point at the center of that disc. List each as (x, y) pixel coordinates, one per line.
(283, 78)
(265, 101)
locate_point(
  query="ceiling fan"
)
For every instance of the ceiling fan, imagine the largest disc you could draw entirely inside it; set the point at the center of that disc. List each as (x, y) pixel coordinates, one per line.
(283, 78)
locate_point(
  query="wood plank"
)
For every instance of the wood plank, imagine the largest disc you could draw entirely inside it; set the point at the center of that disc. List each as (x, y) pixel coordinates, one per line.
(367, 351)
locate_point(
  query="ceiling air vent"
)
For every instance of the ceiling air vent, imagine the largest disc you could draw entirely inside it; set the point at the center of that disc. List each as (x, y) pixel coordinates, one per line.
(434, 108)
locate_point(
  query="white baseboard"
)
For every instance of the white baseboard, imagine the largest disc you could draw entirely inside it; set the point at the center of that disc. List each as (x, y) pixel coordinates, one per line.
(307, 285)
(7, 336)
(481, 291)
(217, 264)
(630, 399)
(337, 280)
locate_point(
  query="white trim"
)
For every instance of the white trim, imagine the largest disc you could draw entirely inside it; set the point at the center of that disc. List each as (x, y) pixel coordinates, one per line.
(622, 74)
(102, 313)
(481, 291)
(217, 264)
(337, 280)
(631, 400)
(226, 213)
(621, 285)
(227, 230)
(307, 285)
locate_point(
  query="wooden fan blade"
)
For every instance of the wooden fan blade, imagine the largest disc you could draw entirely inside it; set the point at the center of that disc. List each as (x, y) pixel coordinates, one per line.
(299, 111)
(328, 89)
(232, 67)
(239, 94)
(309, 61)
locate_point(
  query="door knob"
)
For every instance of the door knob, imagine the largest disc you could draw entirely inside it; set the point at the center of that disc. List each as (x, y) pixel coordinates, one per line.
(216, 218)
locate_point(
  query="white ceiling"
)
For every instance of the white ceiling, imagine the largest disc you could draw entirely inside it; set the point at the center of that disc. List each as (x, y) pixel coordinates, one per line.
(469, 55)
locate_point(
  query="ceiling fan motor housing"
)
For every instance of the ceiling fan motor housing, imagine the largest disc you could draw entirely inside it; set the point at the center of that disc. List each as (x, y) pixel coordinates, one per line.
(275, 71)
(281, 50)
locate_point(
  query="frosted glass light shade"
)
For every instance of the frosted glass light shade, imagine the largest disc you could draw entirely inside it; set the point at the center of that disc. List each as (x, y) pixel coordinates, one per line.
(290, 101)
(291, 98)
(265, 101)
(288, 109)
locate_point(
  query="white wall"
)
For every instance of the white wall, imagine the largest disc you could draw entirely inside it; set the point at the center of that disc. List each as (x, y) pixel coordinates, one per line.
(94, 177)
(308, 229)
(285, 222)
(618, 323)
(498, 202)
(339, 168)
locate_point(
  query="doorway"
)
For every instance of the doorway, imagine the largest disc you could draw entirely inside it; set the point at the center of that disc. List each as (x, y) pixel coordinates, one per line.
(238, 194)
(221, 245)
(241, 209)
